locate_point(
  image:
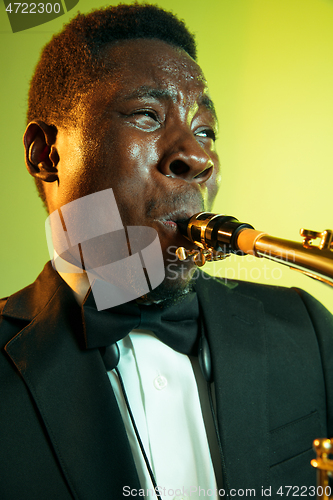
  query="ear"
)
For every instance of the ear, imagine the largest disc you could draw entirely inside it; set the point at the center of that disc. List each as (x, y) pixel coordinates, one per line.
(41, 156)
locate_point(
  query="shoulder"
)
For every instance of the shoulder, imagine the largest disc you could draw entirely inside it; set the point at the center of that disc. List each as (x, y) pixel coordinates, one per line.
(19, 309)
(277, 302)
(257, 291)
(2, 304)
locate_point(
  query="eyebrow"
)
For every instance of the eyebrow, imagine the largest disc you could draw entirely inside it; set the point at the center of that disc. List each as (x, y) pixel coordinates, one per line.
(156, 93)
(146, 91)
(207, 103)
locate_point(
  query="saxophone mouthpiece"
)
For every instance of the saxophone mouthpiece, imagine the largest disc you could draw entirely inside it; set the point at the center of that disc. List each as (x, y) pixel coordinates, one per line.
(182, 225)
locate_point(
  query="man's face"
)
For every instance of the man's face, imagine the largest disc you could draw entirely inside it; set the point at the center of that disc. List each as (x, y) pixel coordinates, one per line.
(148, 133)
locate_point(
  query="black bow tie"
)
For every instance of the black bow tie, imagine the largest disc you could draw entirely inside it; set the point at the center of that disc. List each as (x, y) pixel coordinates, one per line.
(176, 325)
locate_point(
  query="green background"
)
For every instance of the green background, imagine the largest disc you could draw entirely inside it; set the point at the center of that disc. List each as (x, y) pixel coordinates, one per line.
(269, 64)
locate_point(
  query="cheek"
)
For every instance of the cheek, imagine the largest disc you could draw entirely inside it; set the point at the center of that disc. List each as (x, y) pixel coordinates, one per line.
(71, 167)
(141, 157)
(142, 146)
(138, 156)
(129, 169)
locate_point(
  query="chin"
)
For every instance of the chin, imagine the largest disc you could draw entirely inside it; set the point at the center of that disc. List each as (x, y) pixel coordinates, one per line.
(176, 284)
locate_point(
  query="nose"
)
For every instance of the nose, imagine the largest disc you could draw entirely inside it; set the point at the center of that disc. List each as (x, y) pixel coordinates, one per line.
(186, 159)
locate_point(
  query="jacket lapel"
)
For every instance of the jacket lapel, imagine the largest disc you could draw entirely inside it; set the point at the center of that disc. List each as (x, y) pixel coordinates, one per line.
(235, 331)
(72, 392)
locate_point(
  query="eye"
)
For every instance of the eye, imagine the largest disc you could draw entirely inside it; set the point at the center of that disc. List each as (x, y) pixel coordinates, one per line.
(145, 112)
(145, 119)
(207, 132)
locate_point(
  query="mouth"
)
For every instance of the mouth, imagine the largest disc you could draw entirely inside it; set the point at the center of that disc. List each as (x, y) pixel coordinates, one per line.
(173, 228)
(176, 220)
(169, 223)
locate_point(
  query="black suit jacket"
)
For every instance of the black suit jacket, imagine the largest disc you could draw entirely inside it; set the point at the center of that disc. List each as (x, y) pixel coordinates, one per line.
(61, 433)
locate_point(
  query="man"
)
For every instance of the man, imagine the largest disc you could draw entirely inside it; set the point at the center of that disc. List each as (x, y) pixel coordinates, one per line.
(118, 102)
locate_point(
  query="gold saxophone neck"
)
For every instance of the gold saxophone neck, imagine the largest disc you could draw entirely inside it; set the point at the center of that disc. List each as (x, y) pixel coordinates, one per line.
(217, 236)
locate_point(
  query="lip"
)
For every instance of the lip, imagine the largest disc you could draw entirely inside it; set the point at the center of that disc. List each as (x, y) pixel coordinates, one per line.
(173, 218)
(170, 221)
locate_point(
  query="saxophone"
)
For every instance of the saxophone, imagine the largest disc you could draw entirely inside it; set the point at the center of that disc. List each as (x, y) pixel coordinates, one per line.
(217, 236)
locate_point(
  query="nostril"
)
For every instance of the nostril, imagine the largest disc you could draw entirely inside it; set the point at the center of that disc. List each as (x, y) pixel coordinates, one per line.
(178, 167)
(205, 173)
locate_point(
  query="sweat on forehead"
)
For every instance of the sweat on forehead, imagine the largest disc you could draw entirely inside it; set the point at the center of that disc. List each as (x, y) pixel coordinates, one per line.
(171, 58)
(149, 69)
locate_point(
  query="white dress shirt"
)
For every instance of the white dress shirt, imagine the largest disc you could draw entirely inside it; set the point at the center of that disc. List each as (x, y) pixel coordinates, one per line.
(162, 389)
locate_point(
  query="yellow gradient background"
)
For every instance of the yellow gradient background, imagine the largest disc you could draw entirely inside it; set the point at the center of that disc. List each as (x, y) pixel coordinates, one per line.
(269, 64)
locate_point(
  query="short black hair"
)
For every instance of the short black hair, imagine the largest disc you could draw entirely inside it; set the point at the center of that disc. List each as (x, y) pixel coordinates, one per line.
(72, 58)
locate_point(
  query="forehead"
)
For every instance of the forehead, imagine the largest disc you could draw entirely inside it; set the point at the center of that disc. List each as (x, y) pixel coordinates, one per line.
(133, 66)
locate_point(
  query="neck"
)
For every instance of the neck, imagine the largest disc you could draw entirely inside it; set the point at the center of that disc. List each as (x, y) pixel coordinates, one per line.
(164, 295)
(75, 277)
